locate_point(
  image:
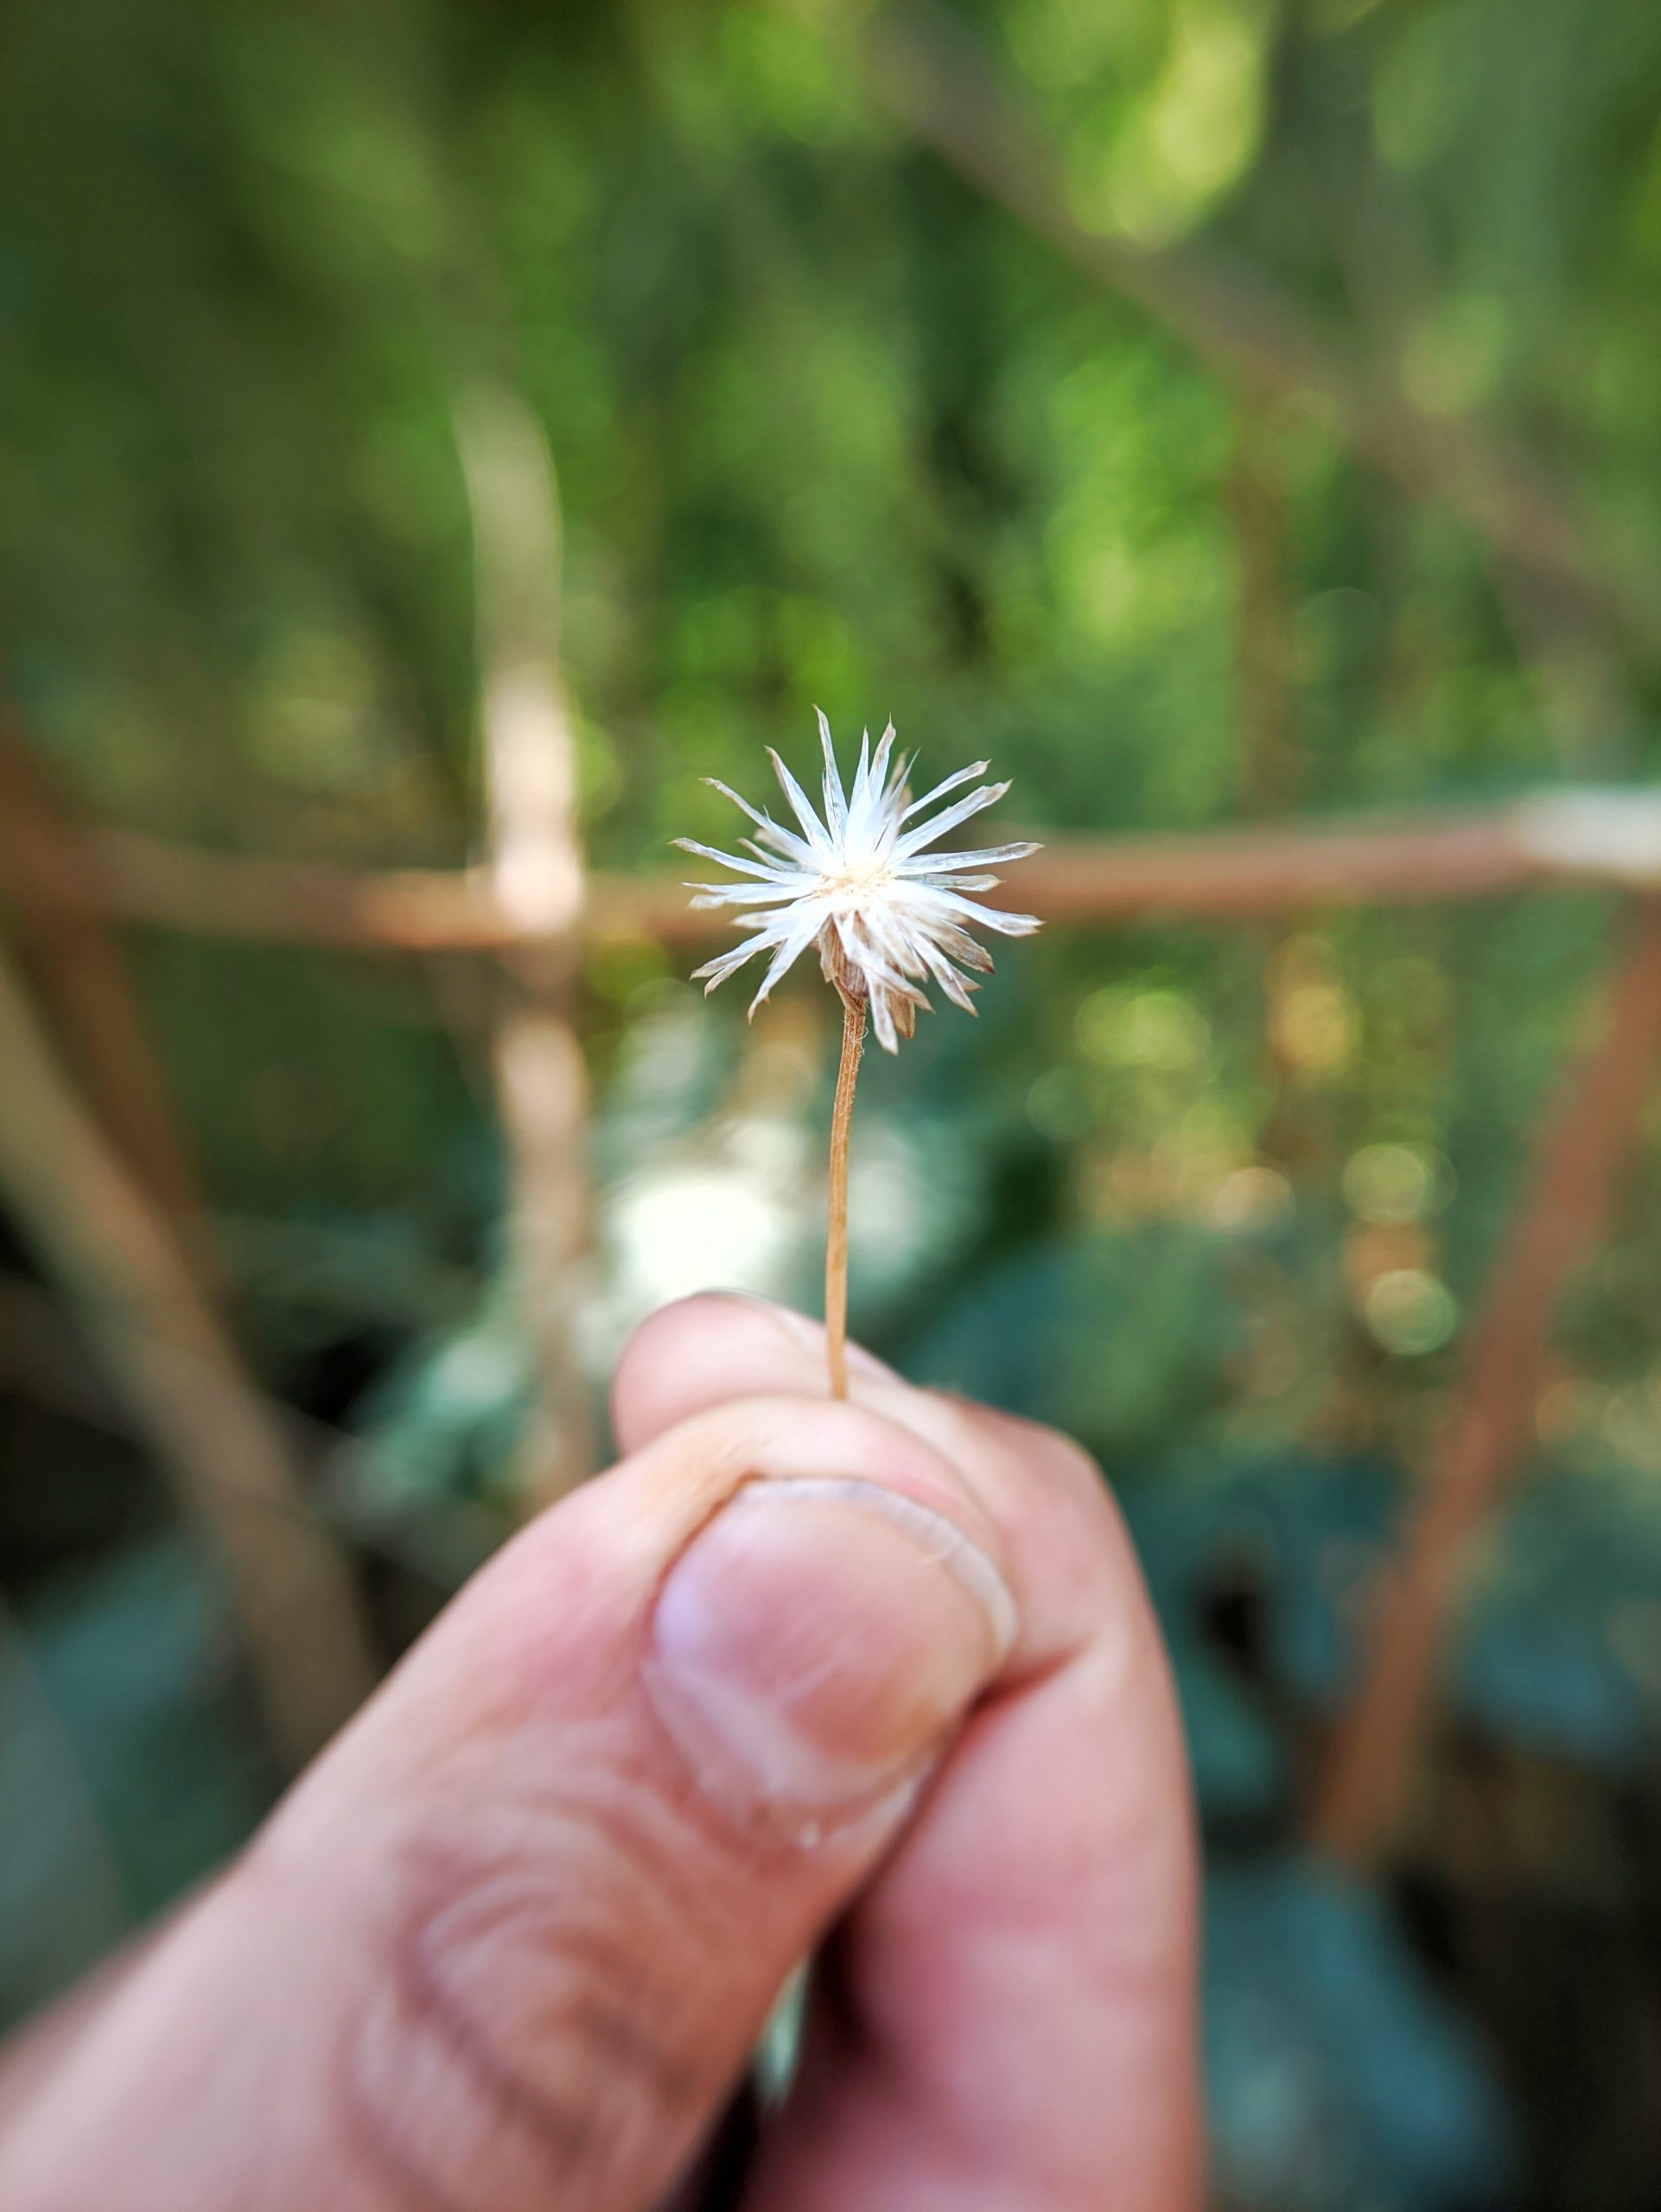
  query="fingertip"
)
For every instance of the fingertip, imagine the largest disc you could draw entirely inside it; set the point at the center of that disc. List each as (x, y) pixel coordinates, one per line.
(714, 1345)
(647, 1387)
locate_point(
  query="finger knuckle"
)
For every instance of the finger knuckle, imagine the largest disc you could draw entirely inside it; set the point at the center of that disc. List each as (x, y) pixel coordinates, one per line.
(528, 2041)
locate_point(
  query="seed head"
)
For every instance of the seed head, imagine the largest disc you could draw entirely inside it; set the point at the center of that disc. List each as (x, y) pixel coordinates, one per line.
(887, 914)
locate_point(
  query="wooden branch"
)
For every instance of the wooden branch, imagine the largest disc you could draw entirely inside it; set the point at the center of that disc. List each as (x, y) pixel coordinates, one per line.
(926, 72)
(1238, 872)
(438, 1536)
(104, 1240)
(1591, 1132)
(1559, 839)
(535, 884)
(86, 989)
(163, 886)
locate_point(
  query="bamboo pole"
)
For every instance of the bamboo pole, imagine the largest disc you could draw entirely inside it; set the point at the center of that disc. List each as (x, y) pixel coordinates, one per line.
(443, 1539)
(1556, 840)
(1588, 1136)
(84, 984)
(535, 884)
(102, 1237)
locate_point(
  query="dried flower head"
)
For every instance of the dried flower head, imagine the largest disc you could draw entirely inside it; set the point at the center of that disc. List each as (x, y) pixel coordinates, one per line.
(886, 913)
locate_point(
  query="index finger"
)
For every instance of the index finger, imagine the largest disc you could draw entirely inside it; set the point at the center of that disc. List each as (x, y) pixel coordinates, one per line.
(1007, 2015)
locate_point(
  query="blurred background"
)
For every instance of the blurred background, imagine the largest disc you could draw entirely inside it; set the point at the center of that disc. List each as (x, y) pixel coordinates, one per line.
(439, 432)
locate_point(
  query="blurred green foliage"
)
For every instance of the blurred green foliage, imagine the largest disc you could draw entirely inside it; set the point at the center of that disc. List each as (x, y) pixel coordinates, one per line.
(829, 427)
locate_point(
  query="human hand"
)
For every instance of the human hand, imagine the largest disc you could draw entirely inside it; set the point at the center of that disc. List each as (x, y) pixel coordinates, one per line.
(883, 1669)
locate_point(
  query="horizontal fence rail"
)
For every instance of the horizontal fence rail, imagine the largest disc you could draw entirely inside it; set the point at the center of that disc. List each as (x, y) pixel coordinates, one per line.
(1555, 840)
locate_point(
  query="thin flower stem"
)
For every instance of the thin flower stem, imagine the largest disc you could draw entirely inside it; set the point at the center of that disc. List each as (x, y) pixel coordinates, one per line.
(836, 1242)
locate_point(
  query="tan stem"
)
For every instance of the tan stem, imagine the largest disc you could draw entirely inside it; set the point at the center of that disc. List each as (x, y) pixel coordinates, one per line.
(835, 1241)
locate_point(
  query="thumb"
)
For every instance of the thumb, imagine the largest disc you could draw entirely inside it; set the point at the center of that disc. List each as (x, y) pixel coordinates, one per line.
(510, 1942)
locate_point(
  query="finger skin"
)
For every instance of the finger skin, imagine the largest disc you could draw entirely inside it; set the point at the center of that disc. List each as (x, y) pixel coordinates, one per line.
(500, 1948)
(1007, 2014)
